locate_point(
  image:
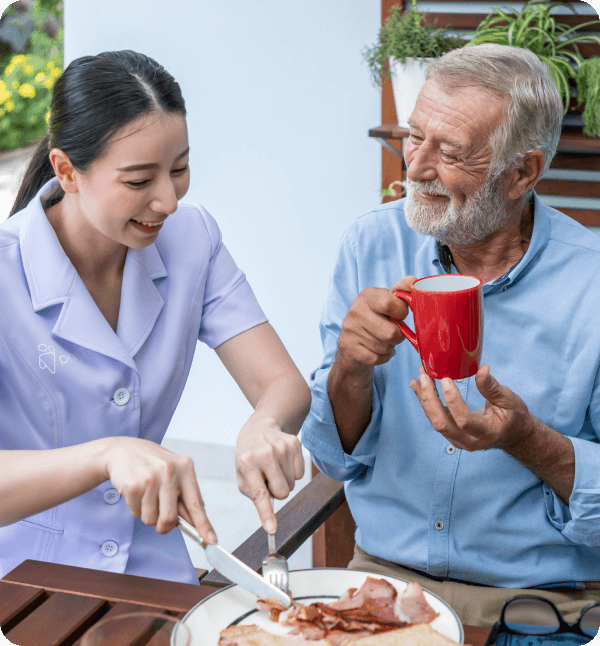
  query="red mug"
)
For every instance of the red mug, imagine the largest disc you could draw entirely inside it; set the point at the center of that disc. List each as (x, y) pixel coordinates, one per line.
(448, 317)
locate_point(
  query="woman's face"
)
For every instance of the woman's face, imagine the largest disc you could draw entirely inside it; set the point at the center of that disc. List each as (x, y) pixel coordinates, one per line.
(128, 192)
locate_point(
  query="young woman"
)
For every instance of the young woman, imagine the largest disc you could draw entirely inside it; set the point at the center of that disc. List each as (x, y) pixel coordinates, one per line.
(106, 284)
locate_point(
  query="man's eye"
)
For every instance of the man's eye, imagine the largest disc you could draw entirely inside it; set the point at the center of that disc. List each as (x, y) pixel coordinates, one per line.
(449, 156)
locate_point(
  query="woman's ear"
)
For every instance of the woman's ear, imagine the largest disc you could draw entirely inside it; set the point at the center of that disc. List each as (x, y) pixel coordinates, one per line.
(525, 178)
(64, 170)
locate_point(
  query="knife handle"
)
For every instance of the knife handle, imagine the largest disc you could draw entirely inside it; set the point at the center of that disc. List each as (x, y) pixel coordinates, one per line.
(188, 529)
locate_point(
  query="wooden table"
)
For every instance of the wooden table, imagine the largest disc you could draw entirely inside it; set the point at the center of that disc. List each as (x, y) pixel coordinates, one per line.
(44, 604)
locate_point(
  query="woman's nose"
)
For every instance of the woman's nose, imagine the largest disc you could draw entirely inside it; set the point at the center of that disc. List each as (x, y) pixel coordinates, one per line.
(165, 198)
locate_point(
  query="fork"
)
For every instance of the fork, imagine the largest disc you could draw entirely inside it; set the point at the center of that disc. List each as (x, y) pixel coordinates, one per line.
(274, 566)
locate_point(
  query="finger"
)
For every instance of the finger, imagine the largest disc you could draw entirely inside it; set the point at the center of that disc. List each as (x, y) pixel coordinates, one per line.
(149, 511)
(404, 284)
(168, 498)
(456, 405)
(494, 392)
(257, 491)
(193, 503)
(299, 465)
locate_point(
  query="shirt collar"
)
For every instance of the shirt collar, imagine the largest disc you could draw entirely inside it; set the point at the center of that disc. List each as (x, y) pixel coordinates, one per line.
(441, 259)
(50, 273)
(52, 280)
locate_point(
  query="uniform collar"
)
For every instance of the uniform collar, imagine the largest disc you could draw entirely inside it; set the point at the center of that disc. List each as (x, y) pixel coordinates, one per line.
(441, 259)
(52, 280)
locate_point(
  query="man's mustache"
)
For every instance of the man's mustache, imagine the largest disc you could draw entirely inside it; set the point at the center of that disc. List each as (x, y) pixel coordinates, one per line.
(433, 187)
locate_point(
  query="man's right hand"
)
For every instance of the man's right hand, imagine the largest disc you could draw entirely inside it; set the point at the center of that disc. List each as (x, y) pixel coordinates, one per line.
(369, 336)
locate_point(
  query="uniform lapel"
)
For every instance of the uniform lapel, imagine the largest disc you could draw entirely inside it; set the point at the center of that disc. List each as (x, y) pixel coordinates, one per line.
(52, 280)
(141, 302)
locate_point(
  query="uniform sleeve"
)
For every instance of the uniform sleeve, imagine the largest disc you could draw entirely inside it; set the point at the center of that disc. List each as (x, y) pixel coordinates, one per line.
(579, 521)
(229, 306)
(319, 432)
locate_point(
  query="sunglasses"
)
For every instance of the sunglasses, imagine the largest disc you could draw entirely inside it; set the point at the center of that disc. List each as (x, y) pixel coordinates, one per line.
(527, 614)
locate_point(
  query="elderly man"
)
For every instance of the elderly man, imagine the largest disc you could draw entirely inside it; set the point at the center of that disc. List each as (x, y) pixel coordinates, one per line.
(493, 484)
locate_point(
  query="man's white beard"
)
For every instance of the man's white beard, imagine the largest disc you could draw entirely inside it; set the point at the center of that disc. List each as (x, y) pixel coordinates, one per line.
(482, 214)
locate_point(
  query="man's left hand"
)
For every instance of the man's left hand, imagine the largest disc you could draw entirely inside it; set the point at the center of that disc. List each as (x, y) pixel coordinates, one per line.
(504, 421)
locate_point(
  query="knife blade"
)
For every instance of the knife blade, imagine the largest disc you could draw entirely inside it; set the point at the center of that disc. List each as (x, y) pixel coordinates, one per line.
(235, 570)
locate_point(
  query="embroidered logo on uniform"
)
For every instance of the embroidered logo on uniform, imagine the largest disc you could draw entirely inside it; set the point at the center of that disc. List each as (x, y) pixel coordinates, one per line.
(48, 357)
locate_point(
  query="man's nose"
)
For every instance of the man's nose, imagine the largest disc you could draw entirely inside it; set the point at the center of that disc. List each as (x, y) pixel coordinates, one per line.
(420, 163)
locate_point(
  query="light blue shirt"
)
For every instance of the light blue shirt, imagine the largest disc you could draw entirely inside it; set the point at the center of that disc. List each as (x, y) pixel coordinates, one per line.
(476, 516)
(66, 378)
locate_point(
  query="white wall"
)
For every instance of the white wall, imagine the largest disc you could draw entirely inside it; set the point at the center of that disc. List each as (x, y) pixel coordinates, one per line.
(279, 104)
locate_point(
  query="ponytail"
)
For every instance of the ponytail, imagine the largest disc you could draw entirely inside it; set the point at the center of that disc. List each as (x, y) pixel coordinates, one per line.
(37, 174)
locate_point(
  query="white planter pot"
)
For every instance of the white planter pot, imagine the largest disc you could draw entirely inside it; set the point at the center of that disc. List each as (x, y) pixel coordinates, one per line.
(407, 81)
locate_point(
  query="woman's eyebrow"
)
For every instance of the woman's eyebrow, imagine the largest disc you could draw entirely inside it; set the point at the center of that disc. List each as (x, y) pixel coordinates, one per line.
(146, 166)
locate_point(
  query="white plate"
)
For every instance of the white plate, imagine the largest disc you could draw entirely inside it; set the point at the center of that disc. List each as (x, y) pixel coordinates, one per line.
(234, 605)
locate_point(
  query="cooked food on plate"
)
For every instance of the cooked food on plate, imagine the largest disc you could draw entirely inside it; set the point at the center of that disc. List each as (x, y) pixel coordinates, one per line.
(372, 615)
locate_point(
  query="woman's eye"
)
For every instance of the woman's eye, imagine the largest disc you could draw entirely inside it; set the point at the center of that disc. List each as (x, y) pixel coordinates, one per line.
(138, 184)
(181, 170)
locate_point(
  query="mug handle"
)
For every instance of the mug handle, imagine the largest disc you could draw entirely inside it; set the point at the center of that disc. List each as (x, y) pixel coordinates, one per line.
(408, 333)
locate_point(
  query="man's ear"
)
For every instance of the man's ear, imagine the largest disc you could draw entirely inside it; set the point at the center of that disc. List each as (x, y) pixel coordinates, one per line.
(64, 170)
(525, 178)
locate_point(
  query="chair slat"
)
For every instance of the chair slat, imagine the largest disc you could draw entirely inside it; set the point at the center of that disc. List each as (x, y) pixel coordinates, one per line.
(567, 188)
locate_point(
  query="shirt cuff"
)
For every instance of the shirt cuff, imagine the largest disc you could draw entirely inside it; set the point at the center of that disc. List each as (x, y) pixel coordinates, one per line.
(579, 521)
(320, 435)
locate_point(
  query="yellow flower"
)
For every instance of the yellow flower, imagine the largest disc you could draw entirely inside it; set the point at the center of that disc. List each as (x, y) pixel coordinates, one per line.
(27, 91)
(9, 105)
(15, 60)
(48, 83)
(28, 69)
(4, 93)
(9, 70)
(40, 77)
(55, 71)
(1, 112)
(48, 117)
(50, 65)
(2, 86)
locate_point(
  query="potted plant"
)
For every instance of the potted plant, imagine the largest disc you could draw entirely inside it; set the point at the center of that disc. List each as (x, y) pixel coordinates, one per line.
(407, 45)
(555, 43)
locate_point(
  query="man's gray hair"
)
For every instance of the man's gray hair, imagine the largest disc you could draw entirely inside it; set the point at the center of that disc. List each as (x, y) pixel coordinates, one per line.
(516, 75)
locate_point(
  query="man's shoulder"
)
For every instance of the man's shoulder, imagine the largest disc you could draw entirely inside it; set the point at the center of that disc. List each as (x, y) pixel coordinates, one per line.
(564, 230)
(385, 219)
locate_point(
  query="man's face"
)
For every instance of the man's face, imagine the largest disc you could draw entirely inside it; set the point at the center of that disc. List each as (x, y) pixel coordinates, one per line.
(448, 157)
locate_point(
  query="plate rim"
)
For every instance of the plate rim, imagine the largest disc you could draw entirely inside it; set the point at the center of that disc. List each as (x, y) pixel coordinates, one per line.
(343, 569)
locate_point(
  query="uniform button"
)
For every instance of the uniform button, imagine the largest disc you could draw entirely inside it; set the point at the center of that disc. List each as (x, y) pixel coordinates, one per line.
(109, 548)
(121, 397)
(112, 496)
(439, 524)
(451, 449)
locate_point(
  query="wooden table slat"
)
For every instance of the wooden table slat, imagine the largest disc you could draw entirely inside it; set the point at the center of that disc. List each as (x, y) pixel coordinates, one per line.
(17, 602)
(60, 620)
(108, 585)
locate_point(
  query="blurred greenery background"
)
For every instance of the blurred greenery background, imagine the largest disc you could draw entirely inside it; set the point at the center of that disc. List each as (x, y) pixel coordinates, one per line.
(31, 59)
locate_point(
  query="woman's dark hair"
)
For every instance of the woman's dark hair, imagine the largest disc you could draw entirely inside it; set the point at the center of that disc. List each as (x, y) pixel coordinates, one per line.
(92, 99)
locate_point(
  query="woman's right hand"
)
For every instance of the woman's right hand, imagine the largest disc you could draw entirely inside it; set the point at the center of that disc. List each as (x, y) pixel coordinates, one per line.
(157, 484)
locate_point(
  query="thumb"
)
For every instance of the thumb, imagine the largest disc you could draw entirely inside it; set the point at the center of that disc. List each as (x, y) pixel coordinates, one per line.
(489, 387)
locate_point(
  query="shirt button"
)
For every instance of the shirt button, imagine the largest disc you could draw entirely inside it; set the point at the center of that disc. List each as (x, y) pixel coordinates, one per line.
(505, 288)
(121, 397)
(112, 496)
(451, 449)
(109, 548)
(460, 381)
(439, 525)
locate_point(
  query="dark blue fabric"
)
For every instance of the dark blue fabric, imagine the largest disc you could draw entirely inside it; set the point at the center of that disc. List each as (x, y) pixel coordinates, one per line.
(565, 639)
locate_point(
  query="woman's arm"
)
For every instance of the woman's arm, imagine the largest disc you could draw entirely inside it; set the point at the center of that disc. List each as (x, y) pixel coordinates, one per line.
(268, 455)
(156, 483)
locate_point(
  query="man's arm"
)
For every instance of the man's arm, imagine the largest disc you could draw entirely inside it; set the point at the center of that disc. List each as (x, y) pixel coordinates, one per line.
(368, 338)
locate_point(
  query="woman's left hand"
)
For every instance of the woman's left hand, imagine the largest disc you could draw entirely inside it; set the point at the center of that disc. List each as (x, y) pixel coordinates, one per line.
(267, 462)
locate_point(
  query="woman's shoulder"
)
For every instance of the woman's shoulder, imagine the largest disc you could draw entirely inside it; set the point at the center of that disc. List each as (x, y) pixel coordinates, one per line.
(193, 223)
